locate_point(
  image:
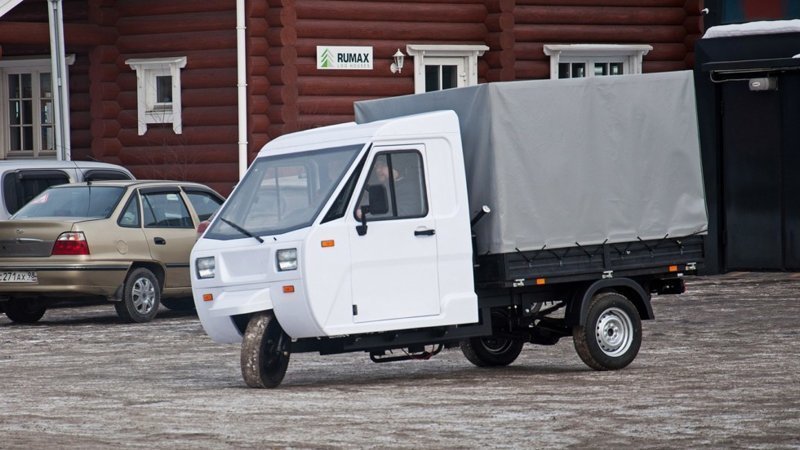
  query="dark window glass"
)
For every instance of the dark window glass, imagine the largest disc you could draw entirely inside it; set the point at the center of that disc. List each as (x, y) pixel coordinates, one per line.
(130, 217)
(73, 201)
(449, 77)
(339, 206)
(284, 192)
(164, 89)
(600, 69)
(13, 86)
(563, 70)
(204, 204)
(165, 210)
(27, 138)
(431, 78)
(404, 190)
(27, 86)
(16, 142)
(21, 186)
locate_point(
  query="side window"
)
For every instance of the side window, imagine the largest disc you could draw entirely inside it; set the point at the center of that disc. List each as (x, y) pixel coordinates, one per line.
(205, 205)
(21, 186)
(165, 210)
(339, 207)
(130, 217)
(395, 188)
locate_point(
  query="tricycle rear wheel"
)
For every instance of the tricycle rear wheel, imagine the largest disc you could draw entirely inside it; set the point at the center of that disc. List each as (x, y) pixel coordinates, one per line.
(611, 337)
(265, 351)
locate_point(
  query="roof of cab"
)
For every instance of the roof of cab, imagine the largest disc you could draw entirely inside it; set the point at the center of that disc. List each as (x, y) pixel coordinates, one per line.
(418, 125)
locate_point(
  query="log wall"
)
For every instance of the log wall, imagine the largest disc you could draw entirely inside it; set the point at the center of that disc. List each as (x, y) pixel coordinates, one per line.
(285, 91)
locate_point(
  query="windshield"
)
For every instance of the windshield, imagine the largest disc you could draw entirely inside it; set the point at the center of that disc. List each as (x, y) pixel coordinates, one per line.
(75, 201)
(283, 193)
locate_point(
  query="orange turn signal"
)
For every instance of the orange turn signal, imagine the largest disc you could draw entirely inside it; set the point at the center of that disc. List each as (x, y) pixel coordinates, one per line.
(541, 281)
(328, 243)
(208, 297)
(288, 289)
(673, 268)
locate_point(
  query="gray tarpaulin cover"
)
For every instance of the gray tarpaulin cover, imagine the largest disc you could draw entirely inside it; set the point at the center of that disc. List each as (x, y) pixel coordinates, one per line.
(583, 160)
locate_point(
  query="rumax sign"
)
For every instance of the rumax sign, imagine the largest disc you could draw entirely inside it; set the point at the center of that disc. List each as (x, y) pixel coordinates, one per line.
(344, 58)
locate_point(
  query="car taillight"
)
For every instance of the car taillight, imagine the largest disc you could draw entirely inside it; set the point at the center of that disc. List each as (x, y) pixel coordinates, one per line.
(202, 226)
(71, 243)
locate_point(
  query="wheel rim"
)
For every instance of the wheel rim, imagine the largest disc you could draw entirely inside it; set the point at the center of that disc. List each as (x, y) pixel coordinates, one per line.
(144, 295)
(498, 345)
(614, 332)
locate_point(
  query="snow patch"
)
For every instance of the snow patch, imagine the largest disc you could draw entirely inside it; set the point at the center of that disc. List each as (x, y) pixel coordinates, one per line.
(751, 28)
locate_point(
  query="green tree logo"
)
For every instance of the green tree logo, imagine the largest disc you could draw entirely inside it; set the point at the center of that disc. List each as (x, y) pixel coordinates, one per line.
(326, 58)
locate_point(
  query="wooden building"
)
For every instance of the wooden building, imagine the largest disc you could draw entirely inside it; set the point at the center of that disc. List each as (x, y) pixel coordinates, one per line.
(153, 83)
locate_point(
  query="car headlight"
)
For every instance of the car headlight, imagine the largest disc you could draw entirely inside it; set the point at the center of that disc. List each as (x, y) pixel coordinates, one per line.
(287, 259)
(206, 267)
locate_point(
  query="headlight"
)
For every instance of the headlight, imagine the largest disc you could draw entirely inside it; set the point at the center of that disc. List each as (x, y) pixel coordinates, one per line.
(287, 259)
(206, 267)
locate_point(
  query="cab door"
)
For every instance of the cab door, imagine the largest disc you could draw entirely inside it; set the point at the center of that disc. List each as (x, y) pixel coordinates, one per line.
(394, 261)
(169, 231)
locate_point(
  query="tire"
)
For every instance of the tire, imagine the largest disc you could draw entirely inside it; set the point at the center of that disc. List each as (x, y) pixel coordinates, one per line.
(493, 351)
(612, 335)
(24, 311)
(141, 297)
(265, 351)
(179, 303)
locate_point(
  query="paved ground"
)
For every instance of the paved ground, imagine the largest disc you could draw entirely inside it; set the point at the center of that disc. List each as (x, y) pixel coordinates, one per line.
(720, 367)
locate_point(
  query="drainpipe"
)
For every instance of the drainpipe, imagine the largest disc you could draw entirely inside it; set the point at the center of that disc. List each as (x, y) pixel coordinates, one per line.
(241, 85)
(59, 80)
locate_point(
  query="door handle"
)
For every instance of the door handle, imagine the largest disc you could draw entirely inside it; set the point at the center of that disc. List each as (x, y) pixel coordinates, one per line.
(430, 232)
(160, 241)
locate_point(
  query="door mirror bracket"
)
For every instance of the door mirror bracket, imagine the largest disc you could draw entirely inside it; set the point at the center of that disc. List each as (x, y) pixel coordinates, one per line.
(362, 229)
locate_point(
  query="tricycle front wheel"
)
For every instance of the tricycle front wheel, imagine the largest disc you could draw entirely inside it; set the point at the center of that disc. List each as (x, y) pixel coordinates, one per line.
(265, 351)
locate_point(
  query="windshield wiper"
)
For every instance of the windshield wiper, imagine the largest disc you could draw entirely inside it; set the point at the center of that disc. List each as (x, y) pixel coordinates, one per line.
(242, 230)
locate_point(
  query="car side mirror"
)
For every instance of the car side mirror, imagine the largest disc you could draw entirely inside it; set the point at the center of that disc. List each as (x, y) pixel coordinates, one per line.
(362, 229)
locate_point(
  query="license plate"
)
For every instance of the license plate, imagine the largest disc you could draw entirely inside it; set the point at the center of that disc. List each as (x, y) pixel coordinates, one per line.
(18, 277)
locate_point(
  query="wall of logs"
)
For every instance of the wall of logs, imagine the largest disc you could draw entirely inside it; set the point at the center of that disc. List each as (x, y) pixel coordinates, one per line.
(285, 91)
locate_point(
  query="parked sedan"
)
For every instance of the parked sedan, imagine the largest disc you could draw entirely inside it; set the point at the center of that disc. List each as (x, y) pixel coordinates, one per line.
(124, 241)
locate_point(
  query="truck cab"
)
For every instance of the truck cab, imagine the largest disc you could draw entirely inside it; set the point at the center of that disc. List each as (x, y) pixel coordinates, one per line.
(367, 232)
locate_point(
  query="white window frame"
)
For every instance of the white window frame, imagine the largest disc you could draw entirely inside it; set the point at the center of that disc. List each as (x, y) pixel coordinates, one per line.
(28, 65)
(463, 56)
(147, 69)
(630, 55)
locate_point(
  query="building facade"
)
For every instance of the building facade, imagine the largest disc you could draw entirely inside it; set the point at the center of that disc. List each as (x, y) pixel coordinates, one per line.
(153, 84)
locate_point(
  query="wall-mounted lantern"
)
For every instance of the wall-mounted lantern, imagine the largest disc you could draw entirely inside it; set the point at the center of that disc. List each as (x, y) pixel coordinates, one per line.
(397, 65)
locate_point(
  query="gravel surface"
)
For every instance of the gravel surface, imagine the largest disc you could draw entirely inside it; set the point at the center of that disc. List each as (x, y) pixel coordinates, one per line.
(720, 367)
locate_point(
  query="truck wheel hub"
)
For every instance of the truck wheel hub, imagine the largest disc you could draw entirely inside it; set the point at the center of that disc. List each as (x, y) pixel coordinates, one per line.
(614, 332)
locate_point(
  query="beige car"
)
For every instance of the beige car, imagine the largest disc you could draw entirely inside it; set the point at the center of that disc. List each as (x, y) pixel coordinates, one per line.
(124, 241)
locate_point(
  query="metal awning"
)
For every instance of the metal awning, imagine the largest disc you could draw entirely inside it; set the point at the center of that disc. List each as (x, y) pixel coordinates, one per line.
(8, 5)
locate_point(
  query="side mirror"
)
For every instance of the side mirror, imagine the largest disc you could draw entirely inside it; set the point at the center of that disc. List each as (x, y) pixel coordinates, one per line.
(378, 200)
(362, 229)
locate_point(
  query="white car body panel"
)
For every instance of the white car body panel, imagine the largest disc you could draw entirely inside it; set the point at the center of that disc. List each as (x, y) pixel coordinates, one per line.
(395, 279)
